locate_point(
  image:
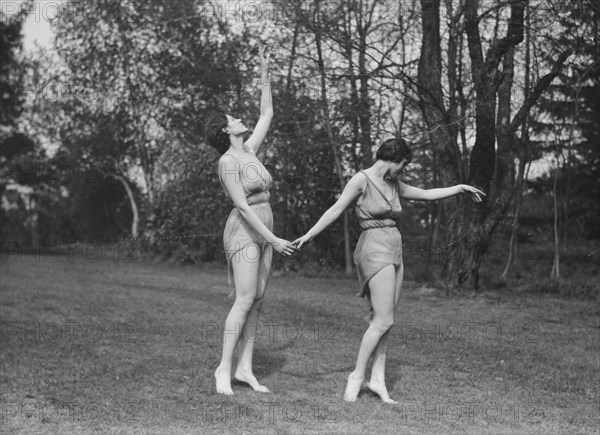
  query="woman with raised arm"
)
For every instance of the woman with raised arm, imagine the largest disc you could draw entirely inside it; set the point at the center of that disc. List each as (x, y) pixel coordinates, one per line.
(378, 255)
(248, 237)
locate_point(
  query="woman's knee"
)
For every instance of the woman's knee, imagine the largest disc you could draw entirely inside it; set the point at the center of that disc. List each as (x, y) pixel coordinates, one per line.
(244, 302)
(383, 323)
(248, 302)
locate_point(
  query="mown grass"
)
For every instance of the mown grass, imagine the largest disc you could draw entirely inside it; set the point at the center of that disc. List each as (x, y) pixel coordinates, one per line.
(116, 347)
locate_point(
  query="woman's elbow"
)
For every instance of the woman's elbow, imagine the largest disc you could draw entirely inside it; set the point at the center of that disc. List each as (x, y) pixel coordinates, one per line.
(243, 208)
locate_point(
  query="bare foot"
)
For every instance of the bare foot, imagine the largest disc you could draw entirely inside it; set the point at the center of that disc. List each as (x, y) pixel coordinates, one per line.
(352, 388)
(223, 382)
(379, 388)
(249, 379)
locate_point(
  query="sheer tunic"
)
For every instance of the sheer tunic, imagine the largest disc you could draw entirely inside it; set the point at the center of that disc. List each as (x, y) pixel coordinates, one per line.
(380, 243)
(238, 233)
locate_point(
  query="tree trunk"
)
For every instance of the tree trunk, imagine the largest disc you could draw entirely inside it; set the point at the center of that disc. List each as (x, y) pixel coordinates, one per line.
(555, 274)
(465, 253)
(364, 112)
(472, 226)
(354, 99)
(436, 217)
(292, 56)
(33, 221)
(505, 161)
(431, 98)
(431, 101)
(524, 160)
(512, 244)
(134, 209)
(567, 175)
(434, 233)
(336, 155)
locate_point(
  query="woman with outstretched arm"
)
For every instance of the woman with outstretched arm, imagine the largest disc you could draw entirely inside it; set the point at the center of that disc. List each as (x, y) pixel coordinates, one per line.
(378, 255)
(248, 236)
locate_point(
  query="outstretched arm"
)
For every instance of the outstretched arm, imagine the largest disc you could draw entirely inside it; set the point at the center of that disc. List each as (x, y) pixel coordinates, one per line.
(410, 192)
(353, 189)
(266, 105)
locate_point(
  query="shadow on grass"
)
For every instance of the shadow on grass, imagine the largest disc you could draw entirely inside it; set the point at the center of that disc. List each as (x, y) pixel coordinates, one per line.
(269, 362)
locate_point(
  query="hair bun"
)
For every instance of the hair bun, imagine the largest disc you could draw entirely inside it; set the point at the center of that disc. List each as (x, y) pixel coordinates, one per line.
(215, 134)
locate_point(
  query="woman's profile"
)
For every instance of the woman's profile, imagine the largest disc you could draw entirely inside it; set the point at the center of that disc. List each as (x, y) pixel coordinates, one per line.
(248, 238)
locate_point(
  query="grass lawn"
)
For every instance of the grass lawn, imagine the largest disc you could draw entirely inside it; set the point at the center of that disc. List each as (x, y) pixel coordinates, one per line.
(111, 347)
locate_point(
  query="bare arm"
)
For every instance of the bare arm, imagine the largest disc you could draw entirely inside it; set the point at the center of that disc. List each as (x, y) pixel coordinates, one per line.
(231, 177)
(415, 193)
(266, 105)
(353, 189)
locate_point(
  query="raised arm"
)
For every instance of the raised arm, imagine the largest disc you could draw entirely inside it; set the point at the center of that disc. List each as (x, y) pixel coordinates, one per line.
(266, 104)
(353, 189)
(231, 178)
(415, 193)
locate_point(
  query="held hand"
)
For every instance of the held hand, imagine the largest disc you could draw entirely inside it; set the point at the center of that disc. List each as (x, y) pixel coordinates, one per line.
(264, 59)
(284, 247)
(301, 241)
(475, 194)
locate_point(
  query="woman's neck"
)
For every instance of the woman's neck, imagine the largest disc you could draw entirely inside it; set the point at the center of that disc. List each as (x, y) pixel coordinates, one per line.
(237, 144)
(380, 169)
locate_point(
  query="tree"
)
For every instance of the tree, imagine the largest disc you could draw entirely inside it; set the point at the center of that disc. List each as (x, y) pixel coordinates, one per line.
(11, 71)
(350, 48)
(19, 154)
(491, 160)
(569, 115)
(148, 72)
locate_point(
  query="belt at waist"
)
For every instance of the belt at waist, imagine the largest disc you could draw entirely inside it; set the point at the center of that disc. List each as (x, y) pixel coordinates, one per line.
(258, 198)
(371, 224)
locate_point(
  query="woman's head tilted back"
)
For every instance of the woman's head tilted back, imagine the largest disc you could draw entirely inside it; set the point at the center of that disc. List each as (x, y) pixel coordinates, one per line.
(216, 133)
(394, 150)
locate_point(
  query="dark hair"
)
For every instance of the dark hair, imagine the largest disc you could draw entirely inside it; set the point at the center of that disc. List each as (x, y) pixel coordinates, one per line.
(394, 150)
(215, 136)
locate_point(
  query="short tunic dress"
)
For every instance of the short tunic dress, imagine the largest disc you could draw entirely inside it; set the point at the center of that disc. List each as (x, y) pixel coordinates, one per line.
(380, 243)
(238, 233)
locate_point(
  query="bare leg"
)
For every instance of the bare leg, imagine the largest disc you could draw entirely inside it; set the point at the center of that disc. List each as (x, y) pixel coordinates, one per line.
(377, 381)
(244, 372)
(245, 273)
(382, 287)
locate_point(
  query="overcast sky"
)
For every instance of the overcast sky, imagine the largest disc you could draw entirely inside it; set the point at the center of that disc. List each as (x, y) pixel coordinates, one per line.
(37, 27)
(36, 31)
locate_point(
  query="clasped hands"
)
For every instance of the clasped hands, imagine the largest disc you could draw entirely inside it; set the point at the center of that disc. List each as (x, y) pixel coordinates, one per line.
(287, 248)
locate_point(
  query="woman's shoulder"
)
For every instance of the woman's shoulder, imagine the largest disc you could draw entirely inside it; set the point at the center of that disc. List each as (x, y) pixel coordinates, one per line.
(228, 163)
(360, 175)
(227, 158)
(359, 180)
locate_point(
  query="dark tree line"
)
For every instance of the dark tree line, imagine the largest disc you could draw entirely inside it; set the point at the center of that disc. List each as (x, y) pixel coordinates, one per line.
(480, 90)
